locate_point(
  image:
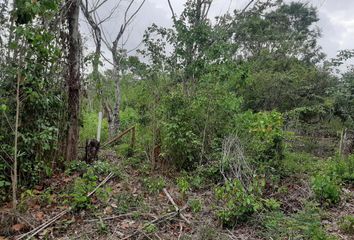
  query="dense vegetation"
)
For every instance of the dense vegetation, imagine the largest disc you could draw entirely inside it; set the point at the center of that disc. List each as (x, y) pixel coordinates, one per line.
(242, 118)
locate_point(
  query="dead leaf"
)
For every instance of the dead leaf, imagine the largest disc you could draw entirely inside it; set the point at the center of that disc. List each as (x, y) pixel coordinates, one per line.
(3, 238)
(39, 216)
(108, 210)
(39, 187)
(18, 227)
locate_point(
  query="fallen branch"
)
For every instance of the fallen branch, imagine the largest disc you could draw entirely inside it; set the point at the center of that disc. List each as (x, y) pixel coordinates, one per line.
(175, 205)
(120, 216)
(158, 220)
(41, 227)
(120, 135)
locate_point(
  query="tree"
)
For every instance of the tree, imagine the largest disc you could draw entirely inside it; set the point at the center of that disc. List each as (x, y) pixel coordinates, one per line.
(73, 78)
(117, 51)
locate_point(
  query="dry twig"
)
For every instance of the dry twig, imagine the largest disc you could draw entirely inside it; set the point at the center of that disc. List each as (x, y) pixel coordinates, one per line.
(175, 205)
(41, 227)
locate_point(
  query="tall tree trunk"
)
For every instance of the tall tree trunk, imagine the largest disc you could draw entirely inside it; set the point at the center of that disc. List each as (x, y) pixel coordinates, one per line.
(73, 79)
(114, 116)
(116, 110)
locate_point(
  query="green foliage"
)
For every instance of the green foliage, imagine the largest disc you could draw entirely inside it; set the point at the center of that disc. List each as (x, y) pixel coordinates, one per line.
(4, 182)
(76, 166)
(127, 202)
(326, 189)
(263, 134)
(195, 205)
(301, 163)
(346, 224)
(183, 185)
(89, 129)
(237, 202)
(150, 228)
(305, 224)
(180, 139)
(154, 184)
(271, 204)
(125, 150)
(33, 55)
(342, 169)
(102, 227)
(78, 195)
(82, 186)
(103, 168)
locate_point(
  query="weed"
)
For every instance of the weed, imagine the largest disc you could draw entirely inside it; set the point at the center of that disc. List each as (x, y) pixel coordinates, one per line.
(271, 204)
(76, 166)
(183, 185)
(238, 203)
(102, 227)
(195, 205)
(154, 184)
(305, 224)
(346, 224)
(326, 189)
(126, 202)
(150, 228)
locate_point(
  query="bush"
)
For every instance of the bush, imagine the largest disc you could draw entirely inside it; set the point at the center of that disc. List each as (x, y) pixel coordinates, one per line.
(83, 186)
(180, 139)
(263, 135)
(237, 202)
(183, 185)
(76, 166)
(326, 189)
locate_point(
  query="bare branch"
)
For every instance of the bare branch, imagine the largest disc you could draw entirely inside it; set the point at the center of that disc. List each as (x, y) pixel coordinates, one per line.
(172, 11)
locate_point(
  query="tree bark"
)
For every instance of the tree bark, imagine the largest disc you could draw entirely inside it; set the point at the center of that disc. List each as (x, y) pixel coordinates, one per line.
(14, 173)
(73, 79)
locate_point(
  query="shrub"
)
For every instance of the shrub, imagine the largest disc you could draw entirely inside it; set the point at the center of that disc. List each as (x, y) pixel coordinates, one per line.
(180, 139)
(183, 185)
(76, 166)
(237, 202)
(154, 184)
(326, 189)
(263, 134)
(82, 187)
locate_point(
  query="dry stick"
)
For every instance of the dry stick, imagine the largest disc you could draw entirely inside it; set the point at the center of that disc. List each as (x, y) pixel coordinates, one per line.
(110, 218)
(175, 205)
(14, 175)
(158, 220)
(41, 227)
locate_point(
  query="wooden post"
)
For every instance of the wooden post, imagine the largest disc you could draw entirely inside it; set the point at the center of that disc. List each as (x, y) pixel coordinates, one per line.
(99, 126)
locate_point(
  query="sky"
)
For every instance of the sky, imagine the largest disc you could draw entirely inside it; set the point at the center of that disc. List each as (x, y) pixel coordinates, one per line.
(336, 21)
